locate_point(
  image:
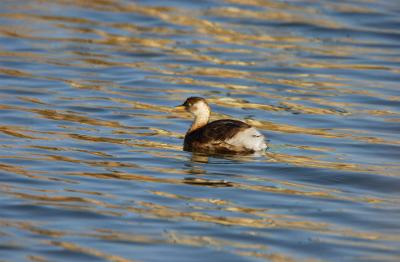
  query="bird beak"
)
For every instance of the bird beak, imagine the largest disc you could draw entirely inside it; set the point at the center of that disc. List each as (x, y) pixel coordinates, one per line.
(180, 108)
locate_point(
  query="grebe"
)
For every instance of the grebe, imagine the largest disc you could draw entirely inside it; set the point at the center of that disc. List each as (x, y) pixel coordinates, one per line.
(225, 136)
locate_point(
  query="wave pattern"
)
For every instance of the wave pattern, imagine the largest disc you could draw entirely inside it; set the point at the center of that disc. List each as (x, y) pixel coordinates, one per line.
(91, 160)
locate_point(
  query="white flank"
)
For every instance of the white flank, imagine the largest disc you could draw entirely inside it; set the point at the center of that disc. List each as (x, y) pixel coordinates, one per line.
(249, 138)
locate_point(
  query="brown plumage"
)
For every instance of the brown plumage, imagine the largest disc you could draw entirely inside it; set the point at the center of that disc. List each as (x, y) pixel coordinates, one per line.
(224, 136)
(212, 137)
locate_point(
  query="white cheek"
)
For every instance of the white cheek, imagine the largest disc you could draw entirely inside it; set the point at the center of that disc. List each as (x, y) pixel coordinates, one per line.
(199, 111)
(193, 110)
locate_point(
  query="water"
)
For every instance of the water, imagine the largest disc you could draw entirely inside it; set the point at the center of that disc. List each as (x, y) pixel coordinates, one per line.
(91, 160)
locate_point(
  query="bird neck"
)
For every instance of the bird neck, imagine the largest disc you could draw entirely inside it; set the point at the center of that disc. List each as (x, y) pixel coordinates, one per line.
(199, 121)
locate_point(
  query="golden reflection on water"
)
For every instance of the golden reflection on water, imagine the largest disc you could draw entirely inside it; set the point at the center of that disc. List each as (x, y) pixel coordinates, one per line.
(79, 138)
(291, 159)
(89, 251)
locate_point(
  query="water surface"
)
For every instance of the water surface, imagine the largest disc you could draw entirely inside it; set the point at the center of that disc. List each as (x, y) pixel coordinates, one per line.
(91, 160)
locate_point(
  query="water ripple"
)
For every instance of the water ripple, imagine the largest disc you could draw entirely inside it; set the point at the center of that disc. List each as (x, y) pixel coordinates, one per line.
(91, 160)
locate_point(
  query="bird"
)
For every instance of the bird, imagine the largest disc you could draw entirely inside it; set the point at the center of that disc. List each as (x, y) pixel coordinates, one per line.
(224, 136)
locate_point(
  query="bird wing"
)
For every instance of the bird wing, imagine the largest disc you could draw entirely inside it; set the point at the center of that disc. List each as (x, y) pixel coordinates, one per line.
(213, 136)
(222, 130)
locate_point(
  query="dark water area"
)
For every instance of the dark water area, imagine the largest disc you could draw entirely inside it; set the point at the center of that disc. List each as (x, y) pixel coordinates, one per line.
(91, 159)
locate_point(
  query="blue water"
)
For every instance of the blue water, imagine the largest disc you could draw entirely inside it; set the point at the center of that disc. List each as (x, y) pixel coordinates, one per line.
(91, 159)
